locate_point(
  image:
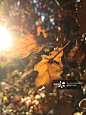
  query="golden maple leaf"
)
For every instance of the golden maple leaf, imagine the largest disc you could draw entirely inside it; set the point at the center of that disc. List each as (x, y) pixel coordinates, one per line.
(48, 71)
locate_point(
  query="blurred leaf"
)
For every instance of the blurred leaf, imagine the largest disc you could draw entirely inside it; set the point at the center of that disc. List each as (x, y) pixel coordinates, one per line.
(76, 54)
(39, 30)
(65, 106)
(39, 20)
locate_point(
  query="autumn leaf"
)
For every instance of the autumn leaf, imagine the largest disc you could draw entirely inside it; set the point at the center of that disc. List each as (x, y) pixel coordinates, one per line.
(72, 53)
(49, 105)
(39, 30)
(38, 0)
(53, 15)
(15, 27)
(39, 20)
(22, 47)
(76, 54)
(27, 45)
(47, 72)
(55, 55)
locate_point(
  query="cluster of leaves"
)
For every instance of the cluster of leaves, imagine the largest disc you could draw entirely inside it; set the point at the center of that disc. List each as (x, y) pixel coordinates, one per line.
(29, 33)
(43, 42)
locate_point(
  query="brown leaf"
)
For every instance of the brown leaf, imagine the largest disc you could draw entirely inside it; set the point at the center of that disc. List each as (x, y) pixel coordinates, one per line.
(76, 54)
(53, 15)
(65, 106)
(72, 53)
(49, 105)
(67, 3)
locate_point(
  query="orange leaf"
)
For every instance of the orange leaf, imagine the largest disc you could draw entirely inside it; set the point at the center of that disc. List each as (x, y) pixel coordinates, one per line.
(53, 54)
(23, 46)
(47, 72)
(52, 15)
(38, 0)
(39, 20)
(15, 27)
(41, 30)
(38, 30)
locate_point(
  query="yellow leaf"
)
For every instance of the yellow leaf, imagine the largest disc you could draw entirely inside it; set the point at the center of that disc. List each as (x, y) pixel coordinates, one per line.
(55, 55)
(47, 72)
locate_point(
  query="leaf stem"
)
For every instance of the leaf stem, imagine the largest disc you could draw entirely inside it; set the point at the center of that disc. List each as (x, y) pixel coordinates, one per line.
(62, 48)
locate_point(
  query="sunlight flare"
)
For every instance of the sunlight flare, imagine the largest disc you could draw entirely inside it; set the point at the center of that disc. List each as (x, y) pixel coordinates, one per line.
(4, 38)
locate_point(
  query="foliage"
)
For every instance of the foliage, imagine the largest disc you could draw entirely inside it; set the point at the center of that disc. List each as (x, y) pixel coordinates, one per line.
(48, 42)
(29, 33)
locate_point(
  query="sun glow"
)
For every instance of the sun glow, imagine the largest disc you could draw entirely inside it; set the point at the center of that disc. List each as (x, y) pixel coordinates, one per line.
(4, 38)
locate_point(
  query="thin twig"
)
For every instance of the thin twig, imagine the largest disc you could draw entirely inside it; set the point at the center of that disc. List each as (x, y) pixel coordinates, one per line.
(58, 4)
(62, 48)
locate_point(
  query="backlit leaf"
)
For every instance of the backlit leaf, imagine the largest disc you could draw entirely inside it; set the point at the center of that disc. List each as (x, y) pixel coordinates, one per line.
(47, 72)
(22, 47)
(39, 30)
(53, 55)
